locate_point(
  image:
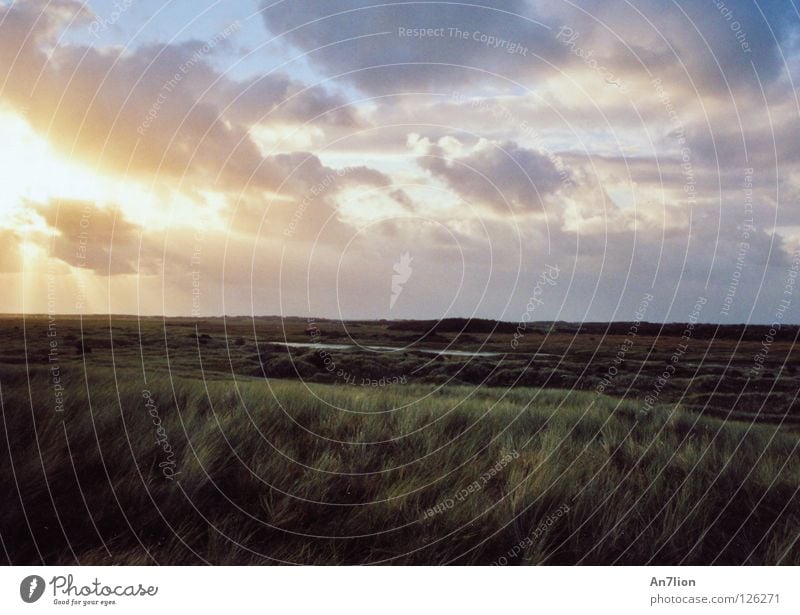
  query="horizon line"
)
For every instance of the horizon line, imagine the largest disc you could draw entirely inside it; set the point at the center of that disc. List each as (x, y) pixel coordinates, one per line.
(38, 315)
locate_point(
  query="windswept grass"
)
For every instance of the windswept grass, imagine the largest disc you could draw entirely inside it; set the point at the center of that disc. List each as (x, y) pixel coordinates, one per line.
(281, 471)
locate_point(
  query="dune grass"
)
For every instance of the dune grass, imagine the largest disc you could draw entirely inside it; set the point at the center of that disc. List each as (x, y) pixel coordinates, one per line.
(260, 472)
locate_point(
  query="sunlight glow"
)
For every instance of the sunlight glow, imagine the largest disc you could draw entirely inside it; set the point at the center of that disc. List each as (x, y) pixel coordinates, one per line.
(33, 172)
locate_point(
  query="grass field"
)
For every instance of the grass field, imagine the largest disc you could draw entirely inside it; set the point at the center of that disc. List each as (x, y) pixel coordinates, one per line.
(715, 374)
(150, 460)
(281, 475)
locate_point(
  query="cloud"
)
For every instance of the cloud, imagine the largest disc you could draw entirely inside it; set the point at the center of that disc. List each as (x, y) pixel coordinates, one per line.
(716, 45)
(528, 146)
(97, 239)
(308, 210)
(281, 99)
(503, 175)
(157, 110)
(379, 48)
(10, 245)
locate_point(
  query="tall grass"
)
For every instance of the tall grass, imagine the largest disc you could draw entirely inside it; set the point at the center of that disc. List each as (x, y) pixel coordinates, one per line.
(282, 471)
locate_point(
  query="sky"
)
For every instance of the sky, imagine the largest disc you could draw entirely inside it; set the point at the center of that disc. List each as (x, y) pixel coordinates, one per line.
(515, 159)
